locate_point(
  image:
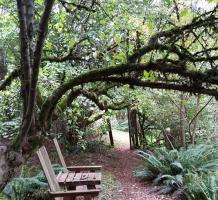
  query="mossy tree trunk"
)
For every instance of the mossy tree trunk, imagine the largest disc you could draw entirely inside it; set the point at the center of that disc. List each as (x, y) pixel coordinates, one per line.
(31, 45)
(182, 121)
(3, 67)
(133, 127)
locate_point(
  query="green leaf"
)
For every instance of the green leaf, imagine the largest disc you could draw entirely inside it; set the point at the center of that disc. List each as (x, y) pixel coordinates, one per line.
(71, 43)
(117, 39)
(49, 45)
(126, 89)
(103, 22)
(62, 17)
(176, 167)
(102, 36)
(40, 2)
(184, 12)
(212, 1)
(152, 77)
(146, 74)
(167, 2)
(149, 25)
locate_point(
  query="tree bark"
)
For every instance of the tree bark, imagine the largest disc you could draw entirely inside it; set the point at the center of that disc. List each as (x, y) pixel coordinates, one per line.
(30, 59)
(3, 166)
(110, 132)
(195, 120)
(133, 127)
(9, 161)
(3, 67)
(182, 121)
(131, 142)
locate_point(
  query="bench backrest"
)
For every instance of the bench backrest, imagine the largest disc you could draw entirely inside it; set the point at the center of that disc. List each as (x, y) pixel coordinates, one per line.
(60, 155)
(47, 169)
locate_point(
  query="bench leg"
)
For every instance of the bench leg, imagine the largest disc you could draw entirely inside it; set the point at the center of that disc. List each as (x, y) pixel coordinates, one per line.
(96, 198)
(87, 197)
(69, 198)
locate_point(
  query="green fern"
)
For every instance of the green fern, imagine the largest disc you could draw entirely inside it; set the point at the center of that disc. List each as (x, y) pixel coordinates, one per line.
(25, 187)
(144, 174)
(190, 174)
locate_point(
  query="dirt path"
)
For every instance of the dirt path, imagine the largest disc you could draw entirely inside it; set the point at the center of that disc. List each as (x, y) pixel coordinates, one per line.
(122, 166)
(119, 162)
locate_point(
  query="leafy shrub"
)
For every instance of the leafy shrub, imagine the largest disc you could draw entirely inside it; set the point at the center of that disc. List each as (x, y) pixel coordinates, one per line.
(202, 186)
(10, 115)
(24, 187)
(88, 146)
(96, 146)
(189, 174)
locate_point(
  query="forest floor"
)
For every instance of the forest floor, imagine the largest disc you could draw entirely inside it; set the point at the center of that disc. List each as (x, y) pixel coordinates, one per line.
(118, 165)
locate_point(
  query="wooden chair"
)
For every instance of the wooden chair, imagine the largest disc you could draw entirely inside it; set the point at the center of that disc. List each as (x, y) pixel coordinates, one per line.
(56, 191)
(73, 168)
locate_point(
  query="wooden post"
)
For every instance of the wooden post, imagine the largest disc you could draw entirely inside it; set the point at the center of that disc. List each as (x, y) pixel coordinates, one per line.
(130, 130)
(110, 132)
(133, 127)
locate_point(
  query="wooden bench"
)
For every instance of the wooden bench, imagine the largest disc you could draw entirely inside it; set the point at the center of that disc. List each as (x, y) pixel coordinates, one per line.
(64, 192)
(79, 178)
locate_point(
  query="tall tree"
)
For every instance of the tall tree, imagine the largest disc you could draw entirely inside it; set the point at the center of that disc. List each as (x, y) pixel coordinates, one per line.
(30, 57)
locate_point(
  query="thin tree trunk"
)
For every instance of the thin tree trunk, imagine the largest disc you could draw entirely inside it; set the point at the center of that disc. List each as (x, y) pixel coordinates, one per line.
(143, 141)
(182, 121)
(110, 132)
(131, 139)
(167, 134)
(195, 120)
(3, 66)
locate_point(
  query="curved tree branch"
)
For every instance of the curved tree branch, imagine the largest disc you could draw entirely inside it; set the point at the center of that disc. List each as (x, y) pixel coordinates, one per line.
(102, 74)
(194, 81)
(13, 75)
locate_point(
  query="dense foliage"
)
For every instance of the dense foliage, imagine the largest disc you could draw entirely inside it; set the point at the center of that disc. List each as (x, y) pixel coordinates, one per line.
(27, 186)
(189, 174)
